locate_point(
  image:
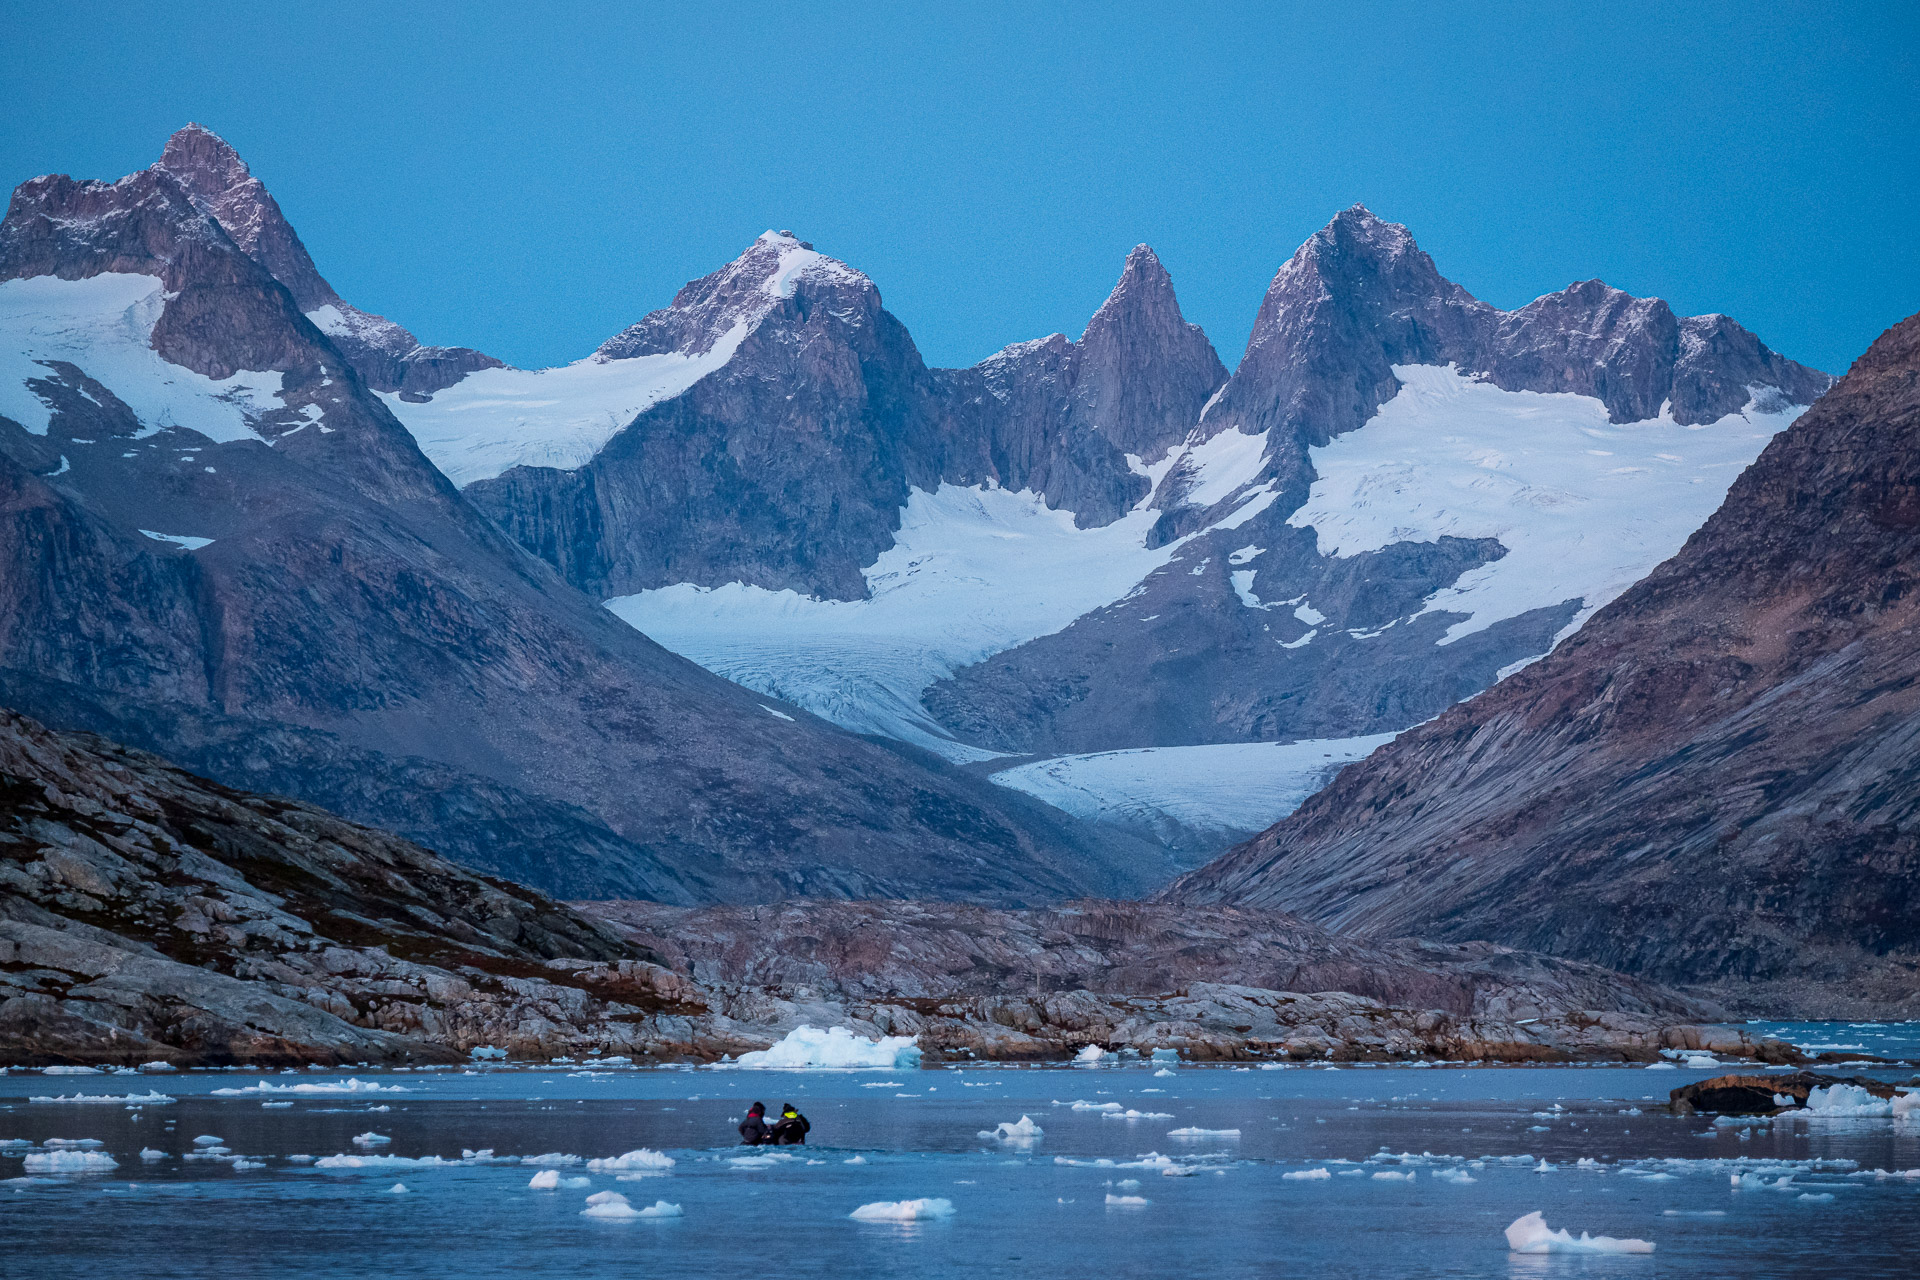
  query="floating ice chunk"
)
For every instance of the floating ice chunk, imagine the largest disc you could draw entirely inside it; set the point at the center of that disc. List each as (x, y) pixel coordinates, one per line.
(148, 1099)
(370, 1139)
(1816, 1198)
(574, 1184)
(69, 1071)
(149, 1154)
(69, 1162)
(74, 1144)
(383, 1162)
(1847, 1100)
(1091, 1055)
(486, 1053)
(806, 1046)
(1021, 1130)
(397, 1189)
(552, 1159)
(1305, 1175)
(1166, 1055)
(1131, 1114)
(208, 1140)
(1081, 1104)
(545, 1180)
(1460, 1176)
(606, 1197)
(1530, 1234)
(1391, 1175)
(352, 1085)
(157, 1065)
(861, 1159)
(1661, 1066)
(884, 1084)
(1127, 1202)
(903, 1210)
(639, 1158)
(1203, 1133)
(660, 1209)
(1163, 1072)
(241, 1164)
(1702, 1061)
(271, 1105)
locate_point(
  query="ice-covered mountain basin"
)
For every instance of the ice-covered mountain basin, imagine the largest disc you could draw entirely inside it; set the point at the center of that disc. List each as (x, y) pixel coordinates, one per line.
(1500, 1150)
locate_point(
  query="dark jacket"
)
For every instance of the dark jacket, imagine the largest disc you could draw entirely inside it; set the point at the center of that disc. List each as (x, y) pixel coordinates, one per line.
(754, 1131)
(791, 1130)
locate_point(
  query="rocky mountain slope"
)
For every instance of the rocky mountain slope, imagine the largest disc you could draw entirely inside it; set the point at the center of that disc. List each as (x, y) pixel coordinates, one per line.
(149, 916)
(218, 543)
(1713, 780)
(1082, 547)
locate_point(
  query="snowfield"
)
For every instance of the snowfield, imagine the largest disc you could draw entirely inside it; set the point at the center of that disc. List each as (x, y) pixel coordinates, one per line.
(104, 326)
(1585, 507)
(495, 419)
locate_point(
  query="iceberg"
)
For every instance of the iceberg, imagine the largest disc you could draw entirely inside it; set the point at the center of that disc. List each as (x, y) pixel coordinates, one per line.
(545, 1180)
(903, 1210)
(639, 1158)
(148, 1099)
(354, 1085)
(1530, 1234)
(1021, 1130)
(69, 1162)
(806, 1046)
(1090, 1055)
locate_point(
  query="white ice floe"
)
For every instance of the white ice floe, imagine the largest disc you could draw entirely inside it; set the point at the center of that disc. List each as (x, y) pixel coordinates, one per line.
(903, 1210)
(1203, 1133)
(1127, 1202)
(1453, 1175)
(103, 325)
(370, 1139)
(148, 1099)
(397, 1189)
(545, 1180)
(149, 1154)
(613, 1205)
(486, 1053)
(1585, 507)
(806, 1046)
(208, 1140)
(349, 1086)
(1394, 1175)
(1021, 1130)
(1081, 1104)
(1131, 1114)
(1530, 1234)
(1305, 1175)
(640, 1158)
(552, 1159)
(1090, 1055)
(69, 1162)
(384, 1162)
(69, 1071)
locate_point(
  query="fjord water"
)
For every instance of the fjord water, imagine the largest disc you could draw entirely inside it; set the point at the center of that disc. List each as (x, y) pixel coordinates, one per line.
(1483, 1146)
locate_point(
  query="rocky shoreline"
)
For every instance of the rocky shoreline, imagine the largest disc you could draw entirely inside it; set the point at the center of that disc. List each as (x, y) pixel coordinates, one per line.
(147, 915)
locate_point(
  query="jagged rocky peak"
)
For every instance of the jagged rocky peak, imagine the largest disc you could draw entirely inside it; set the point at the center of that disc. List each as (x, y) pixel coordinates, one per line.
(725, 305)
(385, 354)
(1144, 372)
(222, 187)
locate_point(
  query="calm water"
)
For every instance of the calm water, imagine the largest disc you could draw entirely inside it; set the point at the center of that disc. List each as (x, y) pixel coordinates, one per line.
(1018, 1210)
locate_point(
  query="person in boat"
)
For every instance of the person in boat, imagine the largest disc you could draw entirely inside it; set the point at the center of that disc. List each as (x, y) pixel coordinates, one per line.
(754, 1131)
(791, 1128)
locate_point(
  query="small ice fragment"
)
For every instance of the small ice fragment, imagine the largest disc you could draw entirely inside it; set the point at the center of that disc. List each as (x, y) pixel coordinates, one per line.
(1203, 1133)
(545, 1180)
(639, 1158)
(1390, 1175)
(1127, 1202)
(1090, 1055)
(903, 1210)
(1530, 1234)
(397, 1189)
(148, 1153)
(1305, 1175)
(854, 1160)
(370, 1139)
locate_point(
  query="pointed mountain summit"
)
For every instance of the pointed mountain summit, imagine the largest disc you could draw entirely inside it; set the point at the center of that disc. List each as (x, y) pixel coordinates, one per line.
(220, 545)
(383, 353)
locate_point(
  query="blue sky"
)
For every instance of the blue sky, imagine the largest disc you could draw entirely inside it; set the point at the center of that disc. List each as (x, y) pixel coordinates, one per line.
(529, 185)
